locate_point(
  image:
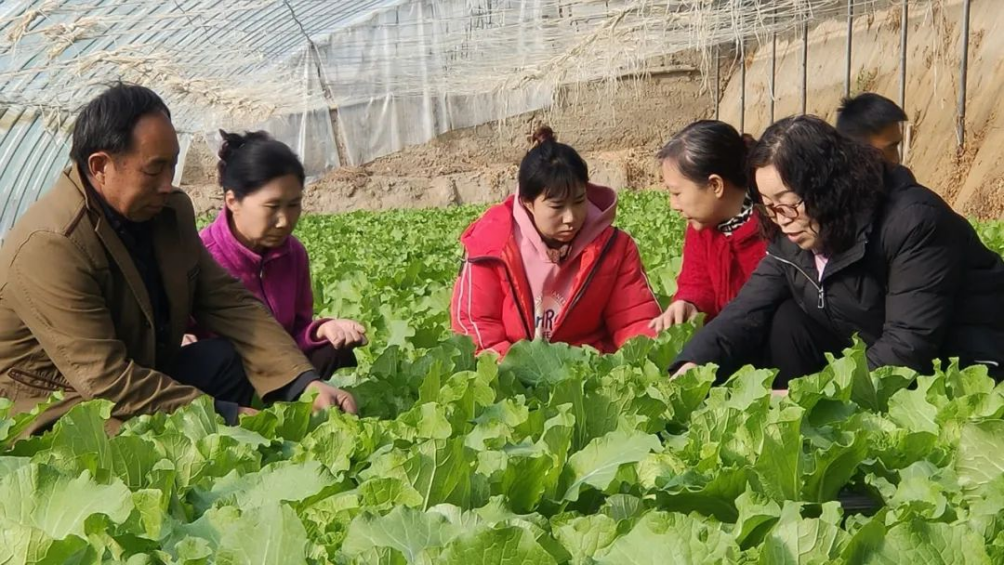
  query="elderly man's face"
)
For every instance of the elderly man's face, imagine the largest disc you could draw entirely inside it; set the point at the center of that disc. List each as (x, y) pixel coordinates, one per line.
(137, 183)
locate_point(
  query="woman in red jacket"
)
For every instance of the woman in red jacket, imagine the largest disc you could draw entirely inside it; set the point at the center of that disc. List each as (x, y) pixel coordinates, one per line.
(704, 169)
(548, 264)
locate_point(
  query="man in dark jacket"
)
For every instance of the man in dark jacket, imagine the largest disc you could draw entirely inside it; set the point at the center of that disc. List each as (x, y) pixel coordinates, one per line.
(873, 120)
(915, 282)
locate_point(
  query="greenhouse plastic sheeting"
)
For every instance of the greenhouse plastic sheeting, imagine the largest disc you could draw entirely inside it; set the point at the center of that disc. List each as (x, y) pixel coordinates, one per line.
(340, 81)
(31, 157)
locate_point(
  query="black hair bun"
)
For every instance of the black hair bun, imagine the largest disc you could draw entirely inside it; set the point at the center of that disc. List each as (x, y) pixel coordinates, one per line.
(543, 135)
(233, 142)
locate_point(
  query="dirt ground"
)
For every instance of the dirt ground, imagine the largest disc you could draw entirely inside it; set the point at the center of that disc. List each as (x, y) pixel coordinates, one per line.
(617, 127)
(972, 180)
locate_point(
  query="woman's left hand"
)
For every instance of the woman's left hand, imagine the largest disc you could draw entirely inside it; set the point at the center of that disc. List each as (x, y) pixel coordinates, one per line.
(343, 333)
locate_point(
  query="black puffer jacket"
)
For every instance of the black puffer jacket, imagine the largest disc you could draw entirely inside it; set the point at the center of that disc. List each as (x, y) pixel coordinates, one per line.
(918, 285)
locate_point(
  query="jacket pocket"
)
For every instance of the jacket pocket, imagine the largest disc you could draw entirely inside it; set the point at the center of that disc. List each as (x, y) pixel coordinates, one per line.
(37, 382)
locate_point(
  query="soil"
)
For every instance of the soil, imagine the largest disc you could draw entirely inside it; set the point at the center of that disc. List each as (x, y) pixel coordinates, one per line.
(970, 179)
(617, 127)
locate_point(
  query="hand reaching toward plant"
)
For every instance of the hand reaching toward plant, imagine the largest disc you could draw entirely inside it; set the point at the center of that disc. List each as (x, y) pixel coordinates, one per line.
(331, 397)
(683, 369)
(678, 312)
(343, 333)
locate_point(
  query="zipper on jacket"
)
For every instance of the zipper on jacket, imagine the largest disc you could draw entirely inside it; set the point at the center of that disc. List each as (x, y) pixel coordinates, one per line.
(589, 279)
(821, 303)
(512, 288)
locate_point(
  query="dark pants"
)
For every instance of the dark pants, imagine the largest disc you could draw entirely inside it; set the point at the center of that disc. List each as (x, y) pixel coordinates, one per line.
(214, 367)
(797, 345)
(326, 360)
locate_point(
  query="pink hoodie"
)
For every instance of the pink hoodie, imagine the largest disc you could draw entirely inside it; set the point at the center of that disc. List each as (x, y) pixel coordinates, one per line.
(551, 280)
(280, 278)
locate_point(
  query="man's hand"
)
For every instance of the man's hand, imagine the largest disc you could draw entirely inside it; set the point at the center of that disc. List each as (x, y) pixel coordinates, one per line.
(342, 333)
(245, 411)
(329, 396)
(683, 369)
(188, 339)
(678, 312)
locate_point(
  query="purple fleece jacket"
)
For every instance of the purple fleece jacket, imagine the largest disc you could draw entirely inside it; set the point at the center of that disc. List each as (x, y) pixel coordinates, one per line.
(280, 278)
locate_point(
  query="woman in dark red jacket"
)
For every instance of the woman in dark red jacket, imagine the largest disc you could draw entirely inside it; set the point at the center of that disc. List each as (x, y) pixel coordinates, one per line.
(548, 264)
(704, 169)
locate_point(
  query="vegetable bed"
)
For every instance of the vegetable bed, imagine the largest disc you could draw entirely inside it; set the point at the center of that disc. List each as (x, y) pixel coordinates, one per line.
(556, 455)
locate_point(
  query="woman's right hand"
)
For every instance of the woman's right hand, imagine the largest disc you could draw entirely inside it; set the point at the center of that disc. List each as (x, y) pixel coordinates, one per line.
(678, 312)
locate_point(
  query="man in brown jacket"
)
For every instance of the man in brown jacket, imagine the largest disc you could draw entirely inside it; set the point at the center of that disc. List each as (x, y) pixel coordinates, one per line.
(99, 278)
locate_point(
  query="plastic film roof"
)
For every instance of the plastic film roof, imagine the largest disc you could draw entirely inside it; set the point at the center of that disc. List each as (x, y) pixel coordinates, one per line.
(341, 81)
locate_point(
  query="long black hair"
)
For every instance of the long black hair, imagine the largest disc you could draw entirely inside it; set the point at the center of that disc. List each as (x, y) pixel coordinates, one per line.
(248, 162)
(709, 147)
(837, 178)
(551, 168)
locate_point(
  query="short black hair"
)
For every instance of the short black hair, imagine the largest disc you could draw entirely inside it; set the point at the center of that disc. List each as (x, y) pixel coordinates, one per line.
(250, 161)
(709, 147)
(107, 122)
(866, 115)
(551, 168)
(836, 177)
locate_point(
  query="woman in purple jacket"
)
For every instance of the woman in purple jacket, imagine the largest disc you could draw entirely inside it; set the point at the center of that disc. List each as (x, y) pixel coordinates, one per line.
(252, 238)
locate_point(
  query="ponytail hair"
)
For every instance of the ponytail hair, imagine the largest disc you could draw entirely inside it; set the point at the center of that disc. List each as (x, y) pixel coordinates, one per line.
(252, 160)
(710, 147)
(550, 168)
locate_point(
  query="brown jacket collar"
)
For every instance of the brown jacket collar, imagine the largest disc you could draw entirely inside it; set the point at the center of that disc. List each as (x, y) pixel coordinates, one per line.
(165, 240)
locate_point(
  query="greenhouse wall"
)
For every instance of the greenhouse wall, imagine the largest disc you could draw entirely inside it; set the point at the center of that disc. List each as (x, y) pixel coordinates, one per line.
(341, 81)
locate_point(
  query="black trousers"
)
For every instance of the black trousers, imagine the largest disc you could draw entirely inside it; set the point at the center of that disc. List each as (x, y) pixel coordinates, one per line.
(797, 345)
(214, 367)
(326, 360)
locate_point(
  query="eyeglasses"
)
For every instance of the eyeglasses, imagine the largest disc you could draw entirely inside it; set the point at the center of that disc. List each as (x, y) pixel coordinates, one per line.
(788, 211)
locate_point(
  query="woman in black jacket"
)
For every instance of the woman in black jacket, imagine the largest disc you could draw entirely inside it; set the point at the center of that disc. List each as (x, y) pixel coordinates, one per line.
(857, 247)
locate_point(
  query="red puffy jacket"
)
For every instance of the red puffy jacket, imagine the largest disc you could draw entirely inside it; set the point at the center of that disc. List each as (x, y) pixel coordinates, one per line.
(611, 299)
